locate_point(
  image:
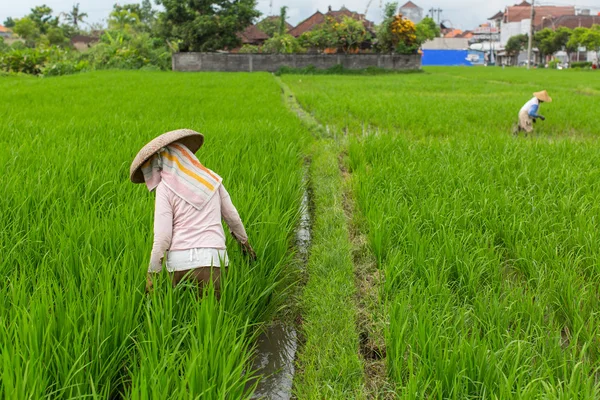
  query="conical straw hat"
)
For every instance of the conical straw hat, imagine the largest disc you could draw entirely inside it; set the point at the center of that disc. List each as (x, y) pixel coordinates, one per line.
(191, 139)
(543, 96)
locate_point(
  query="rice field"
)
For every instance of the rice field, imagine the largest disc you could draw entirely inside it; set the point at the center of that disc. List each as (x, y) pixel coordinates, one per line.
(76, 234)
(486, 243)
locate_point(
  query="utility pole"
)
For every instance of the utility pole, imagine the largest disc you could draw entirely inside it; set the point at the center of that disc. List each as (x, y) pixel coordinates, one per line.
(432, 11)
(530, 44)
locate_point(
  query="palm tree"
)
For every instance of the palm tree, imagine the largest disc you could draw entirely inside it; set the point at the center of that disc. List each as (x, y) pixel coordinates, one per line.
(75, 17)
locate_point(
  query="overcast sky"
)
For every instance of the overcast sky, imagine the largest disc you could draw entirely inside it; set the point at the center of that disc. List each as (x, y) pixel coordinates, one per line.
(462, 14)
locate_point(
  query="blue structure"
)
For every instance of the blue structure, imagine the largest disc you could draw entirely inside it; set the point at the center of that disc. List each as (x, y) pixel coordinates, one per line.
(445, 58)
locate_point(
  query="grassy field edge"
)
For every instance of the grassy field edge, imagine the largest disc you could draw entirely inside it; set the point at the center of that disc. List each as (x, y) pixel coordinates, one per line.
(329, 361)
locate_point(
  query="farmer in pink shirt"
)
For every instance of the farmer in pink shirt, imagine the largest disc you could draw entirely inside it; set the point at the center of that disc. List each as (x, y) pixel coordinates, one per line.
(190, 203)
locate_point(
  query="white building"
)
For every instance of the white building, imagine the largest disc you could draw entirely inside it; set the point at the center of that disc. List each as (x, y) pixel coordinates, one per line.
(412, 11)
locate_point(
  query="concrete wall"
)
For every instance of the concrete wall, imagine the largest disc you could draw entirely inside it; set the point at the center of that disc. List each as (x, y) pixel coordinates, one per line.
(272, 62)
(446, 44)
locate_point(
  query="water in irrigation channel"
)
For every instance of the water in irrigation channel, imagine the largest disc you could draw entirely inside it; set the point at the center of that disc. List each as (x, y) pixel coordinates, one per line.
(276, 347)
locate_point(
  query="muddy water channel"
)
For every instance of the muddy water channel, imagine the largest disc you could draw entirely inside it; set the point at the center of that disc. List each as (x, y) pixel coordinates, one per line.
(276, 347)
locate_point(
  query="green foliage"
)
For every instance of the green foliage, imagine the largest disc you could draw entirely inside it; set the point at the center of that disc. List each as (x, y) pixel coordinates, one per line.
(427, 30)
(344, 36)
(553, 64)
(9, 22)
(384, 42)
(121, 50)
(123, 19)
(282, 44)
(205, 26)
(581, 64)
(516, 44)
(544, 41)
(56, 37)
(586, 37)
(75, 17)
(3, 46)
(27, 29)
(319, 38)
(270, 26)
(42, 17)
(249, 49)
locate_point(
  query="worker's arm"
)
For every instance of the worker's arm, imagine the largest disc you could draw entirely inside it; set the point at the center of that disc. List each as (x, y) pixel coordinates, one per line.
(234, 222)
(163, 228)
(533, 112)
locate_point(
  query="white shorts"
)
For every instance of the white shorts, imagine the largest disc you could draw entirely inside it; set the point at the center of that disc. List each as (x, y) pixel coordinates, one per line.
(182, 260)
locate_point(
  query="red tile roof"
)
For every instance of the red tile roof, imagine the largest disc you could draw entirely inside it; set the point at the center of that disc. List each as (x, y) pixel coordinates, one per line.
(519, 13)
(4, 29)
(253, 35)
(318, 18)
(570, 21)
(498, 15)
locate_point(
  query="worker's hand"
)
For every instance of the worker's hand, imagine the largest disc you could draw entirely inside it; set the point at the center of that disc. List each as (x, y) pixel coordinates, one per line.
(148, 282)
(542, 118)
(248, 251)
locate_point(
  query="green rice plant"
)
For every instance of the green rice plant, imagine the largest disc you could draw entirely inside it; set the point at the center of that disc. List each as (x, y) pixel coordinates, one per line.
(76, 234)
(488, 242)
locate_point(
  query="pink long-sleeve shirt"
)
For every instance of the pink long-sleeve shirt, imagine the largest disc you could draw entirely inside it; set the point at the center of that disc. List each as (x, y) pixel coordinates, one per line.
(180, 226)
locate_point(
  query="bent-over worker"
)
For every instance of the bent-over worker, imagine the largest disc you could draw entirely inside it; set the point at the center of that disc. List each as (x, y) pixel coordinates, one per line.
(190, 202)
(529, 113)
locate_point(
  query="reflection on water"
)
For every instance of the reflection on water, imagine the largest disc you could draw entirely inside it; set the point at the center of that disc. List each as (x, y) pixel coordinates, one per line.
(275, 353)
(276, 347)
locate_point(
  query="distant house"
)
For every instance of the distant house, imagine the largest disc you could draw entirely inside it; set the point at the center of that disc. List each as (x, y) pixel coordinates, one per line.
(83, 42)
(253, 36)
(5, 32)
(318, 18)
(569, 21)
(517, 18)
(412, 11)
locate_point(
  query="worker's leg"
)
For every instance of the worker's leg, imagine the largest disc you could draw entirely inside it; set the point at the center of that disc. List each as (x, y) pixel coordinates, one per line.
(201, 276)
(525, 122)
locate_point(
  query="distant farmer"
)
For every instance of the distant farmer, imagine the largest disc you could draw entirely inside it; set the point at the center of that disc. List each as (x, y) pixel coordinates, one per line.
(190, 202)
(529, 112)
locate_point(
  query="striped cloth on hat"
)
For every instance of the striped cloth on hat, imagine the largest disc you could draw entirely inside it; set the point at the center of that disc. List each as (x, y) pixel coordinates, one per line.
(178, 168)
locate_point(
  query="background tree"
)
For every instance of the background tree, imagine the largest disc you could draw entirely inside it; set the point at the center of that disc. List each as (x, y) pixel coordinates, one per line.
(577, 38)
(74, 17)
(123, 19)
(207, 25)
(42, 17)
(591, 39)
(27, 30)
(270, 26)
(545, 41)
(561, 40)
(9, 22)
(349, 34)
(515, 45)
(385, 42)
(147, 14)
(427, 30)
(282, 42)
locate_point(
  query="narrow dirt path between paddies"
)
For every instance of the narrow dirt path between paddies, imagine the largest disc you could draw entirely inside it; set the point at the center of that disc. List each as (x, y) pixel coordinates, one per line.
(343, 350)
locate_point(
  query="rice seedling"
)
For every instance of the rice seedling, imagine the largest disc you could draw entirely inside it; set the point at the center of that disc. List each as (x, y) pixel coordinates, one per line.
(76, 234)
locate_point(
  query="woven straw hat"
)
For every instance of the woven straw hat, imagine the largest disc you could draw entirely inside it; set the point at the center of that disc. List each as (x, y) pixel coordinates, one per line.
(191, 139)
(543, 96)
